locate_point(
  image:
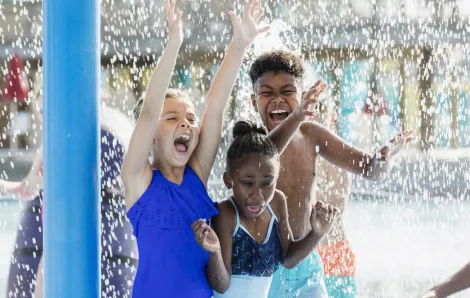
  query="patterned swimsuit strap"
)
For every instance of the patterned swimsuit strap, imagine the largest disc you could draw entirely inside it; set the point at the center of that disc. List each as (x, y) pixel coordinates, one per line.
(237, 226)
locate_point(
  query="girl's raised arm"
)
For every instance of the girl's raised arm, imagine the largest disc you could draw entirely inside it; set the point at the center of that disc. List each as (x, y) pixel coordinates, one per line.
(244, 33)
(136, 170)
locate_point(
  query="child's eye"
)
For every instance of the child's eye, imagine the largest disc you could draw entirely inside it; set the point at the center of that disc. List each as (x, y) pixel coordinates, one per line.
(267, 183)
(173, 118)
(248, 184)
(289, 92)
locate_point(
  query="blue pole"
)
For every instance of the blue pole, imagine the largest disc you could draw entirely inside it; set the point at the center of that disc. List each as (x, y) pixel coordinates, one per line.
(71, 60)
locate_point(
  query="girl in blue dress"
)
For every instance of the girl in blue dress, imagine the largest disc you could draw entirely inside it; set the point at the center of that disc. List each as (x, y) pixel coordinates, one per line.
(166, 195)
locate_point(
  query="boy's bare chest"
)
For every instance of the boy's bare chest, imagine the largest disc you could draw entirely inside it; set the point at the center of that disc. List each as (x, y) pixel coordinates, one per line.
(297, 173)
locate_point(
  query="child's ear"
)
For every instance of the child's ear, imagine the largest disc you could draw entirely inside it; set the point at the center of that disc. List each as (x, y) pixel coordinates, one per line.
(228, 180)
(253, 102)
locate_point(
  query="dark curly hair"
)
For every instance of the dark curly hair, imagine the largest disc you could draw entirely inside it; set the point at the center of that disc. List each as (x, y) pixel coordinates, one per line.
(248, 138)
(277, 61)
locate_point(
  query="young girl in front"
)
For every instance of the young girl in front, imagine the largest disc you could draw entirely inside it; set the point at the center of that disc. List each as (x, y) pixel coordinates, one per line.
(252, 229)
(165, 196)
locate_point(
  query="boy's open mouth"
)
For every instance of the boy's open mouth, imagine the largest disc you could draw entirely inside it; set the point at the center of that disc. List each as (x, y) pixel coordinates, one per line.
(278, 115)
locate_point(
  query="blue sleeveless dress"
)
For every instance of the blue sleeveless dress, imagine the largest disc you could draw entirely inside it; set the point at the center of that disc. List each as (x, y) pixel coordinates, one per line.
(171, 263)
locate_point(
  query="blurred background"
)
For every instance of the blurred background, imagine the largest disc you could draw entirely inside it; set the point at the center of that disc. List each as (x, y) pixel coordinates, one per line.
(391, 65)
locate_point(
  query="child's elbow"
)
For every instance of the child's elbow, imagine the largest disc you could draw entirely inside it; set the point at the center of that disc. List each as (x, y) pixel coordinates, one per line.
(289, 264)
(222, 287)
(376, 174)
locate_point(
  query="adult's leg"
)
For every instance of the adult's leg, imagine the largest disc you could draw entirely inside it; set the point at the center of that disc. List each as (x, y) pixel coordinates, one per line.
(27, 252)
(39, 287)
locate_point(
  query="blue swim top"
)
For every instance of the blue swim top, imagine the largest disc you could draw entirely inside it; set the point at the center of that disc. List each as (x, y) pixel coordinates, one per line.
(171, 263)
(252, 258)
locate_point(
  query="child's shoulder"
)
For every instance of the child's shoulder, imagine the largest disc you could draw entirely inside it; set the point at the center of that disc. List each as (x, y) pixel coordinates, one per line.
(226, 207)
(313, 130)
(278, 203)
(226, 219)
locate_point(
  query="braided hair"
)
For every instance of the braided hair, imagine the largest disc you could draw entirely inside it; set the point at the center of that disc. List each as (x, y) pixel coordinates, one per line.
(248, 138)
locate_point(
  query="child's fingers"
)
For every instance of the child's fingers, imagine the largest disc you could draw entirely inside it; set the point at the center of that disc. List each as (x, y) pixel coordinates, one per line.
(337, 211)
(319, 88)
(201, 229)
(258, 14)
(246, 10)
(409, 136)
(234, 18)
(264, 29)
(315, 91)
(196, 224)
(178, 16)
(204, 236)
(331, 213)
(408, 132)
(170, 11)
(311, 99)
(254, 8)
(167, 6)
(320, 205)
(310, 113)
(317, 83)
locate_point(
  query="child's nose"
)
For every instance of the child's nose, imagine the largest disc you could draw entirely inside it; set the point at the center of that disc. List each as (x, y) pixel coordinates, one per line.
(278, 100)
(257, 194)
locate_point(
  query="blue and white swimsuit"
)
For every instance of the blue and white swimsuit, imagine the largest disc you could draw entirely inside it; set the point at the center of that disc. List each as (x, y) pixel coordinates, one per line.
(253, 263)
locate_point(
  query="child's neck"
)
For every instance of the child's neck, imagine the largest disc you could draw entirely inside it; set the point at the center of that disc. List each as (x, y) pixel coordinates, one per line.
(173, 174)
(250, 221)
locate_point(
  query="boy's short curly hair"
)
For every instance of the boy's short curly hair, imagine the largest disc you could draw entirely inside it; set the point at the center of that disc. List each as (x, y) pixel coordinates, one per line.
(277, 61)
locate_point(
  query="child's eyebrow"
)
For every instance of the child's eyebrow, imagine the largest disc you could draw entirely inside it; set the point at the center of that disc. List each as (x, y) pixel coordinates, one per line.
(170, 112)
(265, 86)
(282, 87)
(288, 85)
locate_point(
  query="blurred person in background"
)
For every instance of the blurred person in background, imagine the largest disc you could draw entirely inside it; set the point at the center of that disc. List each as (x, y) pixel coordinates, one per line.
(334, 187)
(119, 252)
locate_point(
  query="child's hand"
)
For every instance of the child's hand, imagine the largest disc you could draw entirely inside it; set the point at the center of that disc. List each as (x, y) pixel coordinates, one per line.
(396, 144)
(245, 32)
(310, 99)
(322, 218)
(205, 236)
(430, 294)
(175, 25)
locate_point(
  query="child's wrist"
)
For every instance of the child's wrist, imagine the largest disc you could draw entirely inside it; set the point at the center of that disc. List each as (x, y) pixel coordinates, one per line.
(216, 253)
(298, 116)
(441, 291)
(174, 44)
(239, 46)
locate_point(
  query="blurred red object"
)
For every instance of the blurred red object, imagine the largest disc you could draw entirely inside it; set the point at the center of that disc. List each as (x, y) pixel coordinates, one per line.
(383, 109)
(16, 84)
